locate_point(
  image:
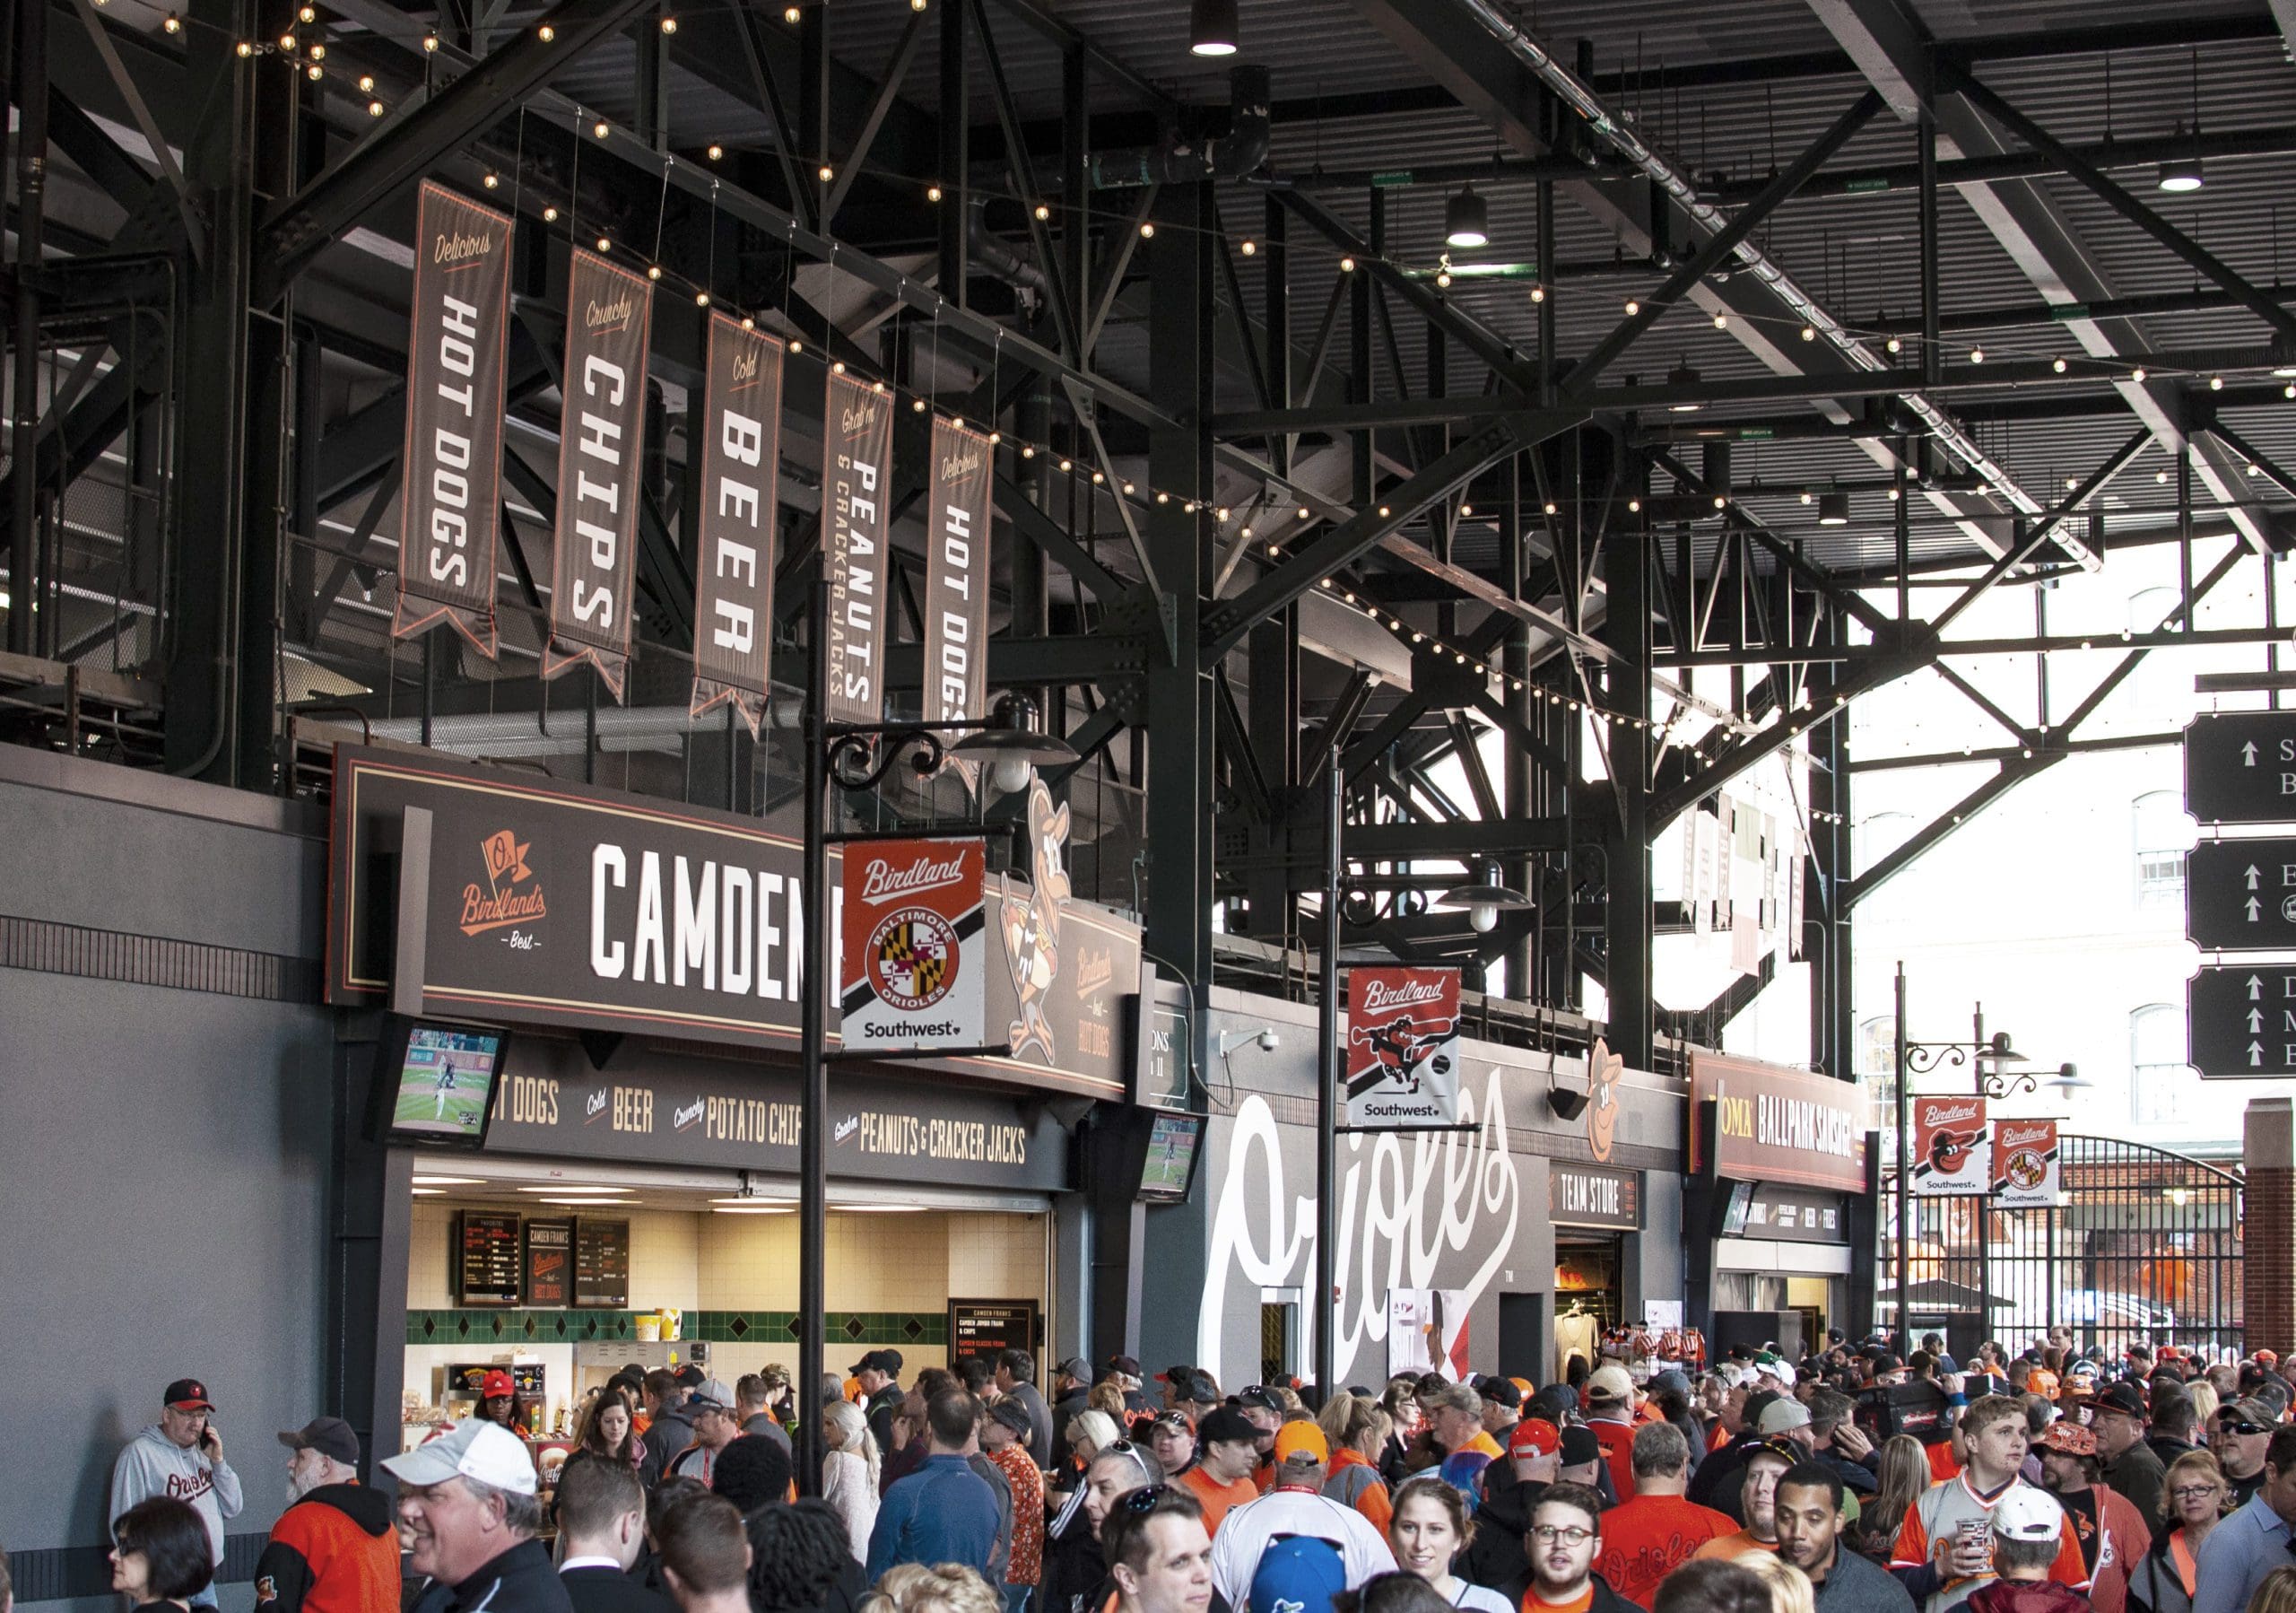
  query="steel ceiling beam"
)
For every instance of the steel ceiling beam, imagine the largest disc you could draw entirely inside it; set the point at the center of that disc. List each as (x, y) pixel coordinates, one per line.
(1895, 51)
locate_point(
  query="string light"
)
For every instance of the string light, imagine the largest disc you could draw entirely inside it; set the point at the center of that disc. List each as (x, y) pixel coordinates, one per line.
(827, 173)
(716, 152)
(319, 52)
(931, 193)
(601, 128)
(1043, 213)
(246, 49)
(366, 84)
(172, 24)
(1632, 308)
(374, 108)
(603, 244)
(491, 182)
(1894, 345)
(2059, 365)
(790, 15)
(701, 299)
(547, 33)
(1250, 247)
(429, 43)
(286, 42)
(669, 25)
(2137, 375)
(1809, 333)
(653, 271)
(1147, 231)
(550, 214)
(1347, 266)
(306, 14)
(1538, 293)
(314, 71)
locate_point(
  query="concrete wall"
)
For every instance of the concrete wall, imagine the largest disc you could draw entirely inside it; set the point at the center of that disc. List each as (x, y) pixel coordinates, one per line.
(162, 1172)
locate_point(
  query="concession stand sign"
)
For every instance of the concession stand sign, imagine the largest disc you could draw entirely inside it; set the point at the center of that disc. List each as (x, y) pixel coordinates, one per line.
(1776, 1124)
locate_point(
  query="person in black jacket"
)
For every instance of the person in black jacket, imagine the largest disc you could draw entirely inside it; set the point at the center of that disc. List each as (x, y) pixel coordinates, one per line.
(601, 1531)
(1565, 1539)
(467, 1499)
(1495, 1556)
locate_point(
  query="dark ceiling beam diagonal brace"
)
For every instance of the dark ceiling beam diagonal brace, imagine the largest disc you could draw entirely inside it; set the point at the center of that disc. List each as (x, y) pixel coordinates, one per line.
(849, 167)
(1251, 782)
(747, 22)
(1040, 529)
(1344, 544)
(2110, 192)
(2128, 663)
(2241, 445)
(1278, 341)
(298, 227)
(1985, 703)
(1346, 712)
(1017, 163)
(1080, 401)
(1120, 263)
(1723, 244)
(2011, 774)
(2041, 531)
(1391, 729)
(339, 577)
(1470, 755)
(146, 124)
(95, 152)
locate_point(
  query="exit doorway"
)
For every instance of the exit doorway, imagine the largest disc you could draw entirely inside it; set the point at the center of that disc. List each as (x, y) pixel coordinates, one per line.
(1522, 1336)
(1280, 1351)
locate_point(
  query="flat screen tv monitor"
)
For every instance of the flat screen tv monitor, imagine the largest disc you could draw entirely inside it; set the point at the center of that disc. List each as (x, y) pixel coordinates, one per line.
(1174, 1144)
(435, 1080)
(1735, 1209)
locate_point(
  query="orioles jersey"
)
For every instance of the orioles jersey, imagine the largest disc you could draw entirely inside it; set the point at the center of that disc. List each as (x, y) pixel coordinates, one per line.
(1941, 1513)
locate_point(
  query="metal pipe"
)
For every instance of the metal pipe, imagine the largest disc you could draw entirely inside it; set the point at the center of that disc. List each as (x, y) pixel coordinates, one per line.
(812, 1043)
(1327, 1306)
(1905, 1177)
(31, 190)
(1682, 190)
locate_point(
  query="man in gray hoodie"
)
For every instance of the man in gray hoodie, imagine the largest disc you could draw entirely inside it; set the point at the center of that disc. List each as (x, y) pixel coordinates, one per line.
(181, 1456)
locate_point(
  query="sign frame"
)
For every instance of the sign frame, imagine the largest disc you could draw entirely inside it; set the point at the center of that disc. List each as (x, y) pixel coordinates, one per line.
(2241, 894)
(2222, 782)
(2255, 1004)
(2030, 1147)
(962, 1313)
(925, 937)
(1769, 1117)
(1373, 1090)
(1583, 1205)
(495, 1225)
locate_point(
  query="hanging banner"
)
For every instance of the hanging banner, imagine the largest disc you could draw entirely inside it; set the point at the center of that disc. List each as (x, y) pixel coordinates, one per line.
(1402, 1038)
(2025, 1165)
(956, 581)
(857, 478)
(602, 440)
(1953, 1151)
(733, 571)
(916, 954)
(1426, 1330)
(450, 476)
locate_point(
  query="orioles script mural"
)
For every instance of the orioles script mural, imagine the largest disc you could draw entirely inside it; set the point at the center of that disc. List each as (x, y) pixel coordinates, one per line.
(1403, 1202)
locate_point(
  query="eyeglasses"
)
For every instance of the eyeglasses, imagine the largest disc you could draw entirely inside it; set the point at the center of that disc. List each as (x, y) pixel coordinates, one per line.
(1569, 1534)
(1144, 1498)
(2196, 1491)
(2230, 1427)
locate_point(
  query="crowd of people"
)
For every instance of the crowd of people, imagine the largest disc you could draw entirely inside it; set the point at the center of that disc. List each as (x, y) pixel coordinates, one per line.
(1852, 1481)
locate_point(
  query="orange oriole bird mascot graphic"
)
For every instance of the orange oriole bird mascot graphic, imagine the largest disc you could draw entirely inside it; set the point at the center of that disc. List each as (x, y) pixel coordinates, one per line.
(1603, 1068)
(1032, 924)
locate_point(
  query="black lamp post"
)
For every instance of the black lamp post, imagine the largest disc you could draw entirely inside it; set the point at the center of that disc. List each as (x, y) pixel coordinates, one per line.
(857, 756)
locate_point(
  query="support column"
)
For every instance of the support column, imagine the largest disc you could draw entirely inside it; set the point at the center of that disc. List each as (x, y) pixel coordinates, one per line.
(1626, 628)
(1515, 764)
(2268, 1229)
(1825, 936)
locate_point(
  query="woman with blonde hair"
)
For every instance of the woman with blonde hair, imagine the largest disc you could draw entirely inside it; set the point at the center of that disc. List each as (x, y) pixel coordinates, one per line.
(1107, 1400)
(2277, 1594)
(2163, 1579)
(1356, 1428)
(949, 1588)
(849, 1472)
(1790, 1591)
(1903, 1471)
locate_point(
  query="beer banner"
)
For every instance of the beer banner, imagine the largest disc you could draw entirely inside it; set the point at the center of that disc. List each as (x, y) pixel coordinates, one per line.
(450, 475)
(732, 570)
(915, 954)
(956, 582)
(1953, 1147)
(602, 443)
(1403, 1039)
(857, 469)
(2025, 1165)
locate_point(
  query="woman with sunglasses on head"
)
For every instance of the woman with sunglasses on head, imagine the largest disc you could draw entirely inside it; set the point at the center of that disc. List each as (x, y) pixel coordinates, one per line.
(1074, 1578)
(2162, 1580)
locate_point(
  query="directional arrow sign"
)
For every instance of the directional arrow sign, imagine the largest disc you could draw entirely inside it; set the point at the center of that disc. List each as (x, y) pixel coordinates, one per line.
(2240, 767)
(2241, 894)
(2241, 1023)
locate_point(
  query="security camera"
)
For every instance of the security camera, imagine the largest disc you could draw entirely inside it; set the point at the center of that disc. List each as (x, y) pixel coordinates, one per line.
(1269, 1041)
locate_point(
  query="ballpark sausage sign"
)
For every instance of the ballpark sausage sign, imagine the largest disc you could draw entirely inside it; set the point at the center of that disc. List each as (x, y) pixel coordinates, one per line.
(608, 313)
(915, 956)
(450, 485)
(1403, 1047)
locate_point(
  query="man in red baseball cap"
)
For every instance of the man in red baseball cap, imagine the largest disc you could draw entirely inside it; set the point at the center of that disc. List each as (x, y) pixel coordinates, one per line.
(181, 1456)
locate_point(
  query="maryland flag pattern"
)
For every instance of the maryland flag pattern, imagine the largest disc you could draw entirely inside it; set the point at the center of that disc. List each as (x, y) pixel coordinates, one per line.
(912, 960)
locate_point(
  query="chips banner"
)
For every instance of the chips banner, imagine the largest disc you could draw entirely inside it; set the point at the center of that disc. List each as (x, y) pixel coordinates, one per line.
(732, 573)
(602, 442)
(857, 469)
(450, 476)
(916, 954)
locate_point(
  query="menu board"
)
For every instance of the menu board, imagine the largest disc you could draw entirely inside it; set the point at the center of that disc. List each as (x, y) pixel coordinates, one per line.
(601, 1263)
(549, 1262)
(485, 1258)
(982, 1327)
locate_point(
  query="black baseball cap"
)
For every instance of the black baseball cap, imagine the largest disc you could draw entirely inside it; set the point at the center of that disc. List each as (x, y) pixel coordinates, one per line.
(1127, 1365)
(1580, 1444)
(1013, 1415)
(691, 1376)
(2124, 1398)
(328, 1436)
(1259, 1399)
(1225, 1423)
(882, 1361)
(1501, 1390)
(187, 1394)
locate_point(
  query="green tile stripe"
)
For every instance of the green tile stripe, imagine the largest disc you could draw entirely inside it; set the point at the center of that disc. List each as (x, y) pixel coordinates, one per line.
(854, 1329)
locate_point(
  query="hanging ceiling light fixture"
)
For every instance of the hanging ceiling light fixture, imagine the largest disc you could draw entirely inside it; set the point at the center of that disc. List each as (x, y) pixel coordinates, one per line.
(1212, 27)
(2180, 176)
(1467, 219)
(1683, 375)
(1833, 510)
(1484, 898)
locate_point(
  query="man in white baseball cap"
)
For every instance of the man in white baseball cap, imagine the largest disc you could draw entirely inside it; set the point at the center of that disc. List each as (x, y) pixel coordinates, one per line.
(468, 1501)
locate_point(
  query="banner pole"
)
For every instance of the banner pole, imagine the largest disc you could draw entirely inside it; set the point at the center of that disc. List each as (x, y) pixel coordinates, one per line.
(813, 1158)
(1327, 1078)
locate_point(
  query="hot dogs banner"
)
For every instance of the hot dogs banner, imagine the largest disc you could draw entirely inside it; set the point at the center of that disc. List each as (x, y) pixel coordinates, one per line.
(450, 494)
(450, 475)
(1953, 1147)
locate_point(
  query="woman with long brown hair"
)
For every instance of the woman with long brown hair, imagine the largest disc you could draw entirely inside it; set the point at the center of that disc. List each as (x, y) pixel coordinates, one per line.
(1903, 1473)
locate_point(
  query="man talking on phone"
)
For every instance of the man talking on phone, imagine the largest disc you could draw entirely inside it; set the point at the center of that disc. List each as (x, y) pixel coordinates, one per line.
(181, 1456)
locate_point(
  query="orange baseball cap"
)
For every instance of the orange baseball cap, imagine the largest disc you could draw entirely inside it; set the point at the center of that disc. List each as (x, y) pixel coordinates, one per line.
(1301, 1442)
(2043, 1383)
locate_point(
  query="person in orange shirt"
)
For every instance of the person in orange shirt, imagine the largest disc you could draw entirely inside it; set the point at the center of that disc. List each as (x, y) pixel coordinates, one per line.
(1758, 1500)
(1610, 1413)
(1356, 1427)
(1648, 1537)
(1564, 1541)
(1228, 1450)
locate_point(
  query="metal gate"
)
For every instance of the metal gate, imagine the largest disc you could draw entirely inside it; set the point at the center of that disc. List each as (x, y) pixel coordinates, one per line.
(2145, 1249)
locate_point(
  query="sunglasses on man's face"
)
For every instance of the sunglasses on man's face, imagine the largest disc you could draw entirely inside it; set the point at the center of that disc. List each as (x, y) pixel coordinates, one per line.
(2233, 1425)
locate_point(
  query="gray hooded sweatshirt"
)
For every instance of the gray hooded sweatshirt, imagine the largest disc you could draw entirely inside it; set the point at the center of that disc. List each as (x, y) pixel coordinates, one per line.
(152, 1464)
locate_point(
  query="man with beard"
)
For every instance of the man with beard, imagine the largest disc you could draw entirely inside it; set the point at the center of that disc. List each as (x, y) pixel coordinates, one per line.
(466, 1501)
(1808, 1509)
(1564, 1541)
(1502, 1524)
(2114, 1538)
(2243, 1429)
(2119, 1419)
(334, 1549)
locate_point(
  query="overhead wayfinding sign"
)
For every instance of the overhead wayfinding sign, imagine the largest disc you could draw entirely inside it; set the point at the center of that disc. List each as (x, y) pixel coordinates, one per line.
(2241, 894)
(2241, 1022)
(2240, 767)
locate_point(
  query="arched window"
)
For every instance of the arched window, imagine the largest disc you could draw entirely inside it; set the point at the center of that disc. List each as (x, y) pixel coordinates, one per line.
(2149, 608)
(2160, 1082)
(2162, 834)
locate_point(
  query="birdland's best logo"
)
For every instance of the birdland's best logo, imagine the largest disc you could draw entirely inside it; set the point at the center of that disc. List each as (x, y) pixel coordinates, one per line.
(511, 895)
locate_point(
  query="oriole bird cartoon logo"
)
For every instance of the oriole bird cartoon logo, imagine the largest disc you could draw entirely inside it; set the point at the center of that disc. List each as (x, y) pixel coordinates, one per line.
(1032, 924)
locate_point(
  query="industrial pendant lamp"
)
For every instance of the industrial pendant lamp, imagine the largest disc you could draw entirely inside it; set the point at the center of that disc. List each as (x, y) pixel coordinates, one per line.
(1484, 898)
(1467, 219)
(1212, 27)
(2180, 176)
(1833, 510)
(1683, 375)
(1010, 744)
